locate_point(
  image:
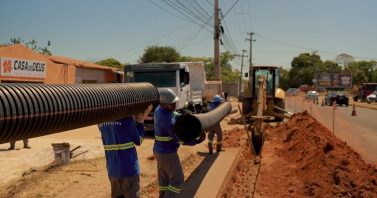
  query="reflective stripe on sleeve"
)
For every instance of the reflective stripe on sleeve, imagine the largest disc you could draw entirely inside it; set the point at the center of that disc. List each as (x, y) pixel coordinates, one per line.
(163, 138)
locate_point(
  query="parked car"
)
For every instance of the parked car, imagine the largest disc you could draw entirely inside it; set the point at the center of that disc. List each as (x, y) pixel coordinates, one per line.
(291, 92)
(311, 95)
(321, 89)
(339, 98)
(365, 89)
(372, 97)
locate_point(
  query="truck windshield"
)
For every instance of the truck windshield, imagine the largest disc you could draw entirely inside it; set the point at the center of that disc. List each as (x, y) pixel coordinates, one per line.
(158, 79)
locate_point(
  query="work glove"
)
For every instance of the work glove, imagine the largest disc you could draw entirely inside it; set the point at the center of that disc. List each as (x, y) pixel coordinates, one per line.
(201, 138)
(142, 116)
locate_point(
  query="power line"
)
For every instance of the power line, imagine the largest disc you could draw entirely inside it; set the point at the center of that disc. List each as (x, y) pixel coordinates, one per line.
(210, 3)
(193, 43)
(195, 34)
(182, 8)
(153, 40)
(188, 17)
(205, 11)
(230, 8)
(150, 1)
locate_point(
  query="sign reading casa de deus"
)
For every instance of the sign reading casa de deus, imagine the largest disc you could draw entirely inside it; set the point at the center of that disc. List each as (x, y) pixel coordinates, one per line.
(15, 67)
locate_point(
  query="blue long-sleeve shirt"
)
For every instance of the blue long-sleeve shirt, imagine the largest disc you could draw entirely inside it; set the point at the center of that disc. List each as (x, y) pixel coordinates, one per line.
(119, 139)
(166, 141)
(213, 105)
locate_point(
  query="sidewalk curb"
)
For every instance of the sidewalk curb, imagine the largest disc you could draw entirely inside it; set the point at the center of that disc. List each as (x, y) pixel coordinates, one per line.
(217, 176)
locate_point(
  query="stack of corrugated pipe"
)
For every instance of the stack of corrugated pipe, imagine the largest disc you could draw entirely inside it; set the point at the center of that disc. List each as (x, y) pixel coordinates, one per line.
(32, 110)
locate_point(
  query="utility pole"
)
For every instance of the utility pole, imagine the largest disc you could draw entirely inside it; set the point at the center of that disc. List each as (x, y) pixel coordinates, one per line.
(216, 57)
(240, 83)
(250, 51)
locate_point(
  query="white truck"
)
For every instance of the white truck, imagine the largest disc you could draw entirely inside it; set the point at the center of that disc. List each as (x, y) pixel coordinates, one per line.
(187, 79)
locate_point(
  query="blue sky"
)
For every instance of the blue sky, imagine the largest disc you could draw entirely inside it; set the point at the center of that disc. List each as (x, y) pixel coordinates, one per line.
(96, 29)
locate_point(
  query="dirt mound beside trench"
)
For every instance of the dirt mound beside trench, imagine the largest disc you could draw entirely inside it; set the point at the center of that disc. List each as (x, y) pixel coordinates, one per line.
(326, 165)
(302, 158)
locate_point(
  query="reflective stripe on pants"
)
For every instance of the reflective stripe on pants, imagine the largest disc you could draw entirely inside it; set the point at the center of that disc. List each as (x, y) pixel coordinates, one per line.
(170, 174)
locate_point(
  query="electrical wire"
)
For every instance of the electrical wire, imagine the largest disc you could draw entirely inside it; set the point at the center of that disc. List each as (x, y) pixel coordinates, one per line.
(150, 41)
(194, 35)
(230, 8)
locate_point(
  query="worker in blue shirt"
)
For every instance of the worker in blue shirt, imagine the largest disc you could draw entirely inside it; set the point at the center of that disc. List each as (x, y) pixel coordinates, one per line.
(119, 139)
(216, 129)
(169, 169)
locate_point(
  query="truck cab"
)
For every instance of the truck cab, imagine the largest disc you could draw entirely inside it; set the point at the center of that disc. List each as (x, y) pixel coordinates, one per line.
(175, 76)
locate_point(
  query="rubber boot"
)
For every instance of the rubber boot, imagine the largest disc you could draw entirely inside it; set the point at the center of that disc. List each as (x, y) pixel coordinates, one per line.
(12, 145)
(26, 144)
(210, 150)
(218, 148)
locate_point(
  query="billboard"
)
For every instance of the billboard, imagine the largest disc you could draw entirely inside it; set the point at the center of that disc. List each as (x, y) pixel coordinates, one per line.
(14, 67)
(334, 80)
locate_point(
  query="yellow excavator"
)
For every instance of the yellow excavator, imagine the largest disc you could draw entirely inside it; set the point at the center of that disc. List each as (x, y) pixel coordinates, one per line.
(263, 102)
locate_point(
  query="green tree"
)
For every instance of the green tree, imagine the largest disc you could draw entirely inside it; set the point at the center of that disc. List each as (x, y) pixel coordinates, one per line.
(111, 62)
(159, 54)
(304, 68)
(284, 80)
(32, 44)
(363, 71)
(331, 67)
(228, 74)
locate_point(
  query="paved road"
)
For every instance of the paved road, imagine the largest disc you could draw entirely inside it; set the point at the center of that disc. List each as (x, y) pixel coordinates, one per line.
(360, 131)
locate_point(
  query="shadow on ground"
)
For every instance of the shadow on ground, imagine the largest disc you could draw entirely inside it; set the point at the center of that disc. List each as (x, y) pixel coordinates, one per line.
(191, 186)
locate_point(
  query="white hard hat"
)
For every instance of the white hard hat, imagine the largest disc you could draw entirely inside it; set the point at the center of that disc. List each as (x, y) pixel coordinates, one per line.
(168, 96)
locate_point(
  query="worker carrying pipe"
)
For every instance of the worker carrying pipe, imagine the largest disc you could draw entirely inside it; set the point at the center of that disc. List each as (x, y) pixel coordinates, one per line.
(169, 169)
(189, 126)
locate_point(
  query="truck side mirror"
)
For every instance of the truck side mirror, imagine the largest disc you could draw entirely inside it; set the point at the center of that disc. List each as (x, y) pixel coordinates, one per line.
(246, 75)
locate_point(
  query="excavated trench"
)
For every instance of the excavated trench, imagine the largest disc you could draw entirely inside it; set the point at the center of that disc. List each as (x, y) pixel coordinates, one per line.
(301, 158)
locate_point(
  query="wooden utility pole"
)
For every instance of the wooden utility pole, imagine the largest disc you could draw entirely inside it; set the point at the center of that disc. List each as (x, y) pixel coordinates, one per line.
(240, 83)
(250, 51)
(216, 59)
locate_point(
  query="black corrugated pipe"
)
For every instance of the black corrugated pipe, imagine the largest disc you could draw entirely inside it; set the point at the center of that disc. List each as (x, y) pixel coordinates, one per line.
(32, 110)
(188, 127)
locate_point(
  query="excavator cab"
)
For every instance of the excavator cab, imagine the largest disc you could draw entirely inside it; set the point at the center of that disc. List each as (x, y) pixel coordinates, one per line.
(271, 80)
(274, 98)
(263, 100)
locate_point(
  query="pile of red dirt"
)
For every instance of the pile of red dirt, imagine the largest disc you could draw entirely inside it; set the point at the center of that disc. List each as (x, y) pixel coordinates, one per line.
(326, 165)
(232, 138)
(301, 158)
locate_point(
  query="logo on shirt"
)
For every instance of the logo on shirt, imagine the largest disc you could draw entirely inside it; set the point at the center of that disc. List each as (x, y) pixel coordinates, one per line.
(110, 124)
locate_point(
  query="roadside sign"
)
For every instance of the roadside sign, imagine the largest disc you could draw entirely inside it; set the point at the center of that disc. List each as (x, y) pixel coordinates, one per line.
(334, 80)
(15, 67)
